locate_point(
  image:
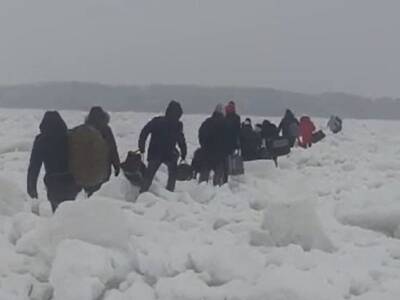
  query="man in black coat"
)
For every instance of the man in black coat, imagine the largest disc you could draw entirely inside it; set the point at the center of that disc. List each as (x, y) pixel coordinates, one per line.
(249, 141)
(51, 149)
(166, 132)
(214, 148)
(289, 126)
(233, 127)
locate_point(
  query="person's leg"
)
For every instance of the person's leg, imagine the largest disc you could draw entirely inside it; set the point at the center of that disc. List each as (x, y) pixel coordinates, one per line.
(219, 174)
(225, 175)
(93, 189)
(204, 175)
(149, 175)
(172, 169)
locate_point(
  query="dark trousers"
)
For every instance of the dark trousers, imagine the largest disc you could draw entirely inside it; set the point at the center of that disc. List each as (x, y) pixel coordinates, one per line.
(151, 171)
(219, 173)
(60, 188)
(292, 140)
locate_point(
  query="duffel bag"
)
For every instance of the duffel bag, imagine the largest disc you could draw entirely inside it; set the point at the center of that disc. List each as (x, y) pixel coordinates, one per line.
(318, 136)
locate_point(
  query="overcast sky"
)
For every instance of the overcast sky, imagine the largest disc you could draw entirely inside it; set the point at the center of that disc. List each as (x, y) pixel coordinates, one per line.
(301, 45)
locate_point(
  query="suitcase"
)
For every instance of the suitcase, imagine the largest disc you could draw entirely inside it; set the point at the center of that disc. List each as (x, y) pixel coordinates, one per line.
(235, 165)
(280, 146)
(318, 136)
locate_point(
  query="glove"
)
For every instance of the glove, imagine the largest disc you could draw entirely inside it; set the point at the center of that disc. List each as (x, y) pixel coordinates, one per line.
(33, 193)
(116, 171)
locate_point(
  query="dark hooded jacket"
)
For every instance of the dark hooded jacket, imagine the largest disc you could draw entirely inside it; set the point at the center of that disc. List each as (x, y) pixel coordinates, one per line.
(233, 131)
(49, 148)
(249, 142)
(213, 139)
(286, 123)
(166, 132)
(100, 119)
(269, 130)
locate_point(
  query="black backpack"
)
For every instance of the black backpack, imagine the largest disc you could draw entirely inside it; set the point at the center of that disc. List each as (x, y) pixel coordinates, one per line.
(134, 168)
(184, 171)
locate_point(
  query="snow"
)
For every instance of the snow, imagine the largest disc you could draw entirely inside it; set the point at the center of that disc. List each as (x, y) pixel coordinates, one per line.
(323, 225)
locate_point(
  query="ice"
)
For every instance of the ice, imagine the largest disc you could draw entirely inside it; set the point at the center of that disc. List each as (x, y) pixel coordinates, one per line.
(97, 220)
(82, 271)
(296, 223)
(323, 225)
(11, 197)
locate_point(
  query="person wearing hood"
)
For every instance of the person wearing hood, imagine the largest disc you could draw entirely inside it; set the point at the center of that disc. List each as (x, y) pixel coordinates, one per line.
(50, 148)
(233, 127)
(100, 120)
(213, 142)
(250, 141)
(269, 131)
(289, 126)
(307, 128)
(166, 132)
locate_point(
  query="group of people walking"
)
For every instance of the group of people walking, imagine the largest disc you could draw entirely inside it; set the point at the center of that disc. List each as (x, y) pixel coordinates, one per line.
(84, 157)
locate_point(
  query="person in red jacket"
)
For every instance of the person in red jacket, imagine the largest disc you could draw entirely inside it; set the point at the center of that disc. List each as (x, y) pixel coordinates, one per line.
(307, 128)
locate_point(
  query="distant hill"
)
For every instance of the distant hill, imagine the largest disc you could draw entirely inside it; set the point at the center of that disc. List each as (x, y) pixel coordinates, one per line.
(195, 99)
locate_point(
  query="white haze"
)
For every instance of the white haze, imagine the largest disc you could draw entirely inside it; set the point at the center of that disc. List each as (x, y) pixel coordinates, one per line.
(307, 46)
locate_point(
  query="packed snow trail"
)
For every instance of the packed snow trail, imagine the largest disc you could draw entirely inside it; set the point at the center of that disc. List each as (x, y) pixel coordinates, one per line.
(324, 225)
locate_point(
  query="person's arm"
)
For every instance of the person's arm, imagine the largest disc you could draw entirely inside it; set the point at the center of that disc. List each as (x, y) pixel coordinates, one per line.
(280, 127)
(182, 142)
(147, 129)
(35, 165)
(113, 151)
(203, 134)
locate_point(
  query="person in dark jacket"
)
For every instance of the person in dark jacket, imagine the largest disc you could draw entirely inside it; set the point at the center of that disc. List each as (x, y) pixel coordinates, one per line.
(166, 132)
(100, 120)
(51, 149)
(289, 126)
(249, 141)
(269, 134)
(233, 127)
(213, 142)
(269, 131)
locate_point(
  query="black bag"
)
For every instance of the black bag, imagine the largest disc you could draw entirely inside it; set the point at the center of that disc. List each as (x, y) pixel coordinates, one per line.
(279, 146)
(235, 165)
(184, 171)
(264, 153)
(134, 168)
(318, 136)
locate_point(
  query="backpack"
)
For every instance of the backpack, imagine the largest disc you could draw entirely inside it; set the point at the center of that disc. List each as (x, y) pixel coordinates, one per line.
(88, 156)
(134, 168)
(294, 129)
(335, 124)
(279, 146)
(184, 172)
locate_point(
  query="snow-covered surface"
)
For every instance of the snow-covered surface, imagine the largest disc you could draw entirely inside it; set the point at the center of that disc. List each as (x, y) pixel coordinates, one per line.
(324, 225)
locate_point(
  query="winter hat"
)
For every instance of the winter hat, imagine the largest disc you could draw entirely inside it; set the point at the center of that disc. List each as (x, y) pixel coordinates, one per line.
(97, 117)
(219, 109)
(174, 110)
(53, 124)
(230, 108)
(247, 121)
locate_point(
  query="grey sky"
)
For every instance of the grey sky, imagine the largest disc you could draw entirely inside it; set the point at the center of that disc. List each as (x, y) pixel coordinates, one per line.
(301, 45)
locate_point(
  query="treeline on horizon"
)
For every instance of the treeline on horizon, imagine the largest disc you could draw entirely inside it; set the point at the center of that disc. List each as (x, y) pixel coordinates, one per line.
(194, 99)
